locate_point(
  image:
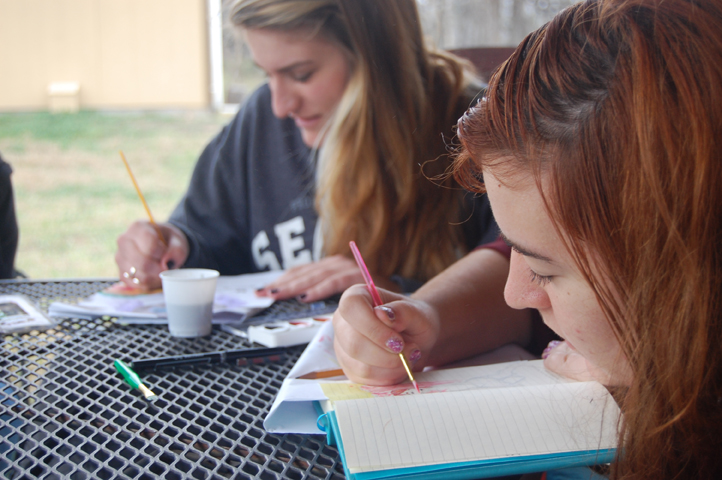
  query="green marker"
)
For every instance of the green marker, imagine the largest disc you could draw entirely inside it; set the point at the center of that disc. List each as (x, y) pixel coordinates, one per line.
(134, 380)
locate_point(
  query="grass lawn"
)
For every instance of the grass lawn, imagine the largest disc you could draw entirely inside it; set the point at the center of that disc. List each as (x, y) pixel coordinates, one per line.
(73, 196)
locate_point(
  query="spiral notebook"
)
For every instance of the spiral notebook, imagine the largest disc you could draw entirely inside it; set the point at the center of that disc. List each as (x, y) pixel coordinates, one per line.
(475, 433)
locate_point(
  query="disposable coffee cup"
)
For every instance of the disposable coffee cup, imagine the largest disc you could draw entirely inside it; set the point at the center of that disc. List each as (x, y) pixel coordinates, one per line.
(188, 294)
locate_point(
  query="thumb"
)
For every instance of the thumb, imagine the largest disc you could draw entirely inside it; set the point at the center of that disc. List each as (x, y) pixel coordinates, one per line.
(176, 251)
(386, 315)
(173, 258)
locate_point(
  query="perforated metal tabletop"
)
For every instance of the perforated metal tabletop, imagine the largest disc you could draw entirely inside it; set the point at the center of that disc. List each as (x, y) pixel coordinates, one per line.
(66, 413)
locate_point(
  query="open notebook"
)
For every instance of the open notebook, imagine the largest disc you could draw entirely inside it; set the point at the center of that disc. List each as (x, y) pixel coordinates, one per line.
(475, 433)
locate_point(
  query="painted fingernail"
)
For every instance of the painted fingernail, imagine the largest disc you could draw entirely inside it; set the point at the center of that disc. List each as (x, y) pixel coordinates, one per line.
(553, 344)
(303, 295)
(170, 264)
(260, 289)
(274, 290)
(415, 356)
(389, 312)
(396, 345)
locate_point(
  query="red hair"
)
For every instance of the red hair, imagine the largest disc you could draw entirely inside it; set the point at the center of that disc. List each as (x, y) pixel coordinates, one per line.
(617, 104)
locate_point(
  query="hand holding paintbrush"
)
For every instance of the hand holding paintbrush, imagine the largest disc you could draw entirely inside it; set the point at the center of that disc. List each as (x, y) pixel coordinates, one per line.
(142, 199)
(148, 248)
(378, 302)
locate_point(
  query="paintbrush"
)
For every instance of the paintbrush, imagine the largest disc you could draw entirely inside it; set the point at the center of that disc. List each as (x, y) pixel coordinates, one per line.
(142, 199)
(377, 301)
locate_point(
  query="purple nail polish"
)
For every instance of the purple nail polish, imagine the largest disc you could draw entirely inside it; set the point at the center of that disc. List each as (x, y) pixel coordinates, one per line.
(274, 290)
(396, 345)
(415, 356)
(553, 344)
(388, 310)
(303, 295)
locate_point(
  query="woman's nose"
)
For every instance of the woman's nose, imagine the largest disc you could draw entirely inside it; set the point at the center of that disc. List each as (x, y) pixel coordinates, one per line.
(520, 291)
(283, 100)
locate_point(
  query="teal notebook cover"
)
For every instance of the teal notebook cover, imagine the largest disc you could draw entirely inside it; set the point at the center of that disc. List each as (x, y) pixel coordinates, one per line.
(468, 470)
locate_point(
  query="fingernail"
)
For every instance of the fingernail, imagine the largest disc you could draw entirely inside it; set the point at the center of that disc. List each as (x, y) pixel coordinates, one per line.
(553, 344)
(170, 264)
(389, 312)
(396, 345)
(415, 356)
(302, 296)
(260, 289)
(274, 290)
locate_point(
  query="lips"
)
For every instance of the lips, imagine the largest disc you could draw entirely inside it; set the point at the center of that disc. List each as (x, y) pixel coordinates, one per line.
(307, 122)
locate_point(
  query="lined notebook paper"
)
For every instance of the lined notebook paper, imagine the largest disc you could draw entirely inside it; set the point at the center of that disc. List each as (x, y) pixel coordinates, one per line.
(418, 430)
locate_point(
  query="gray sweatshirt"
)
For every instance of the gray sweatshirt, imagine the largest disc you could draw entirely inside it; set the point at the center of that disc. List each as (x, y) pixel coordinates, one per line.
(250, 203)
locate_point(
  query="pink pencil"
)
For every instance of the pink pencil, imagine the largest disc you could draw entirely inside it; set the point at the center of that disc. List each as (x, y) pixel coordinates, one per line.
(377, 300)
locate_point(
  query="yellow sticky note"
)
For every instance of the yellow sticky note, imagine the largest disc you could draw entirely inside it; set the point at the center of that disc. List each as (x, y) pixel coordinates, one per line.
(336, 391)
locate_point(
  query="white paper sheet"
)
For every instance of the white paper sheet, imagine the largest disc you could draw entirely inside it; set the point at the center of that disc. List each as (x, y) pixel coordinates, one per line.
(235, 299)
(293, 410)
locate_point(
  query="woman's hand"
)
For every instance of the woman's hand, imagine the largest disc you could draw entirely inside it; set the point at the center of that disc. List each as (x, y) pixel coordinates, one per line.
(564, 360)
(319, 280)
(141, 254)
(368, 340)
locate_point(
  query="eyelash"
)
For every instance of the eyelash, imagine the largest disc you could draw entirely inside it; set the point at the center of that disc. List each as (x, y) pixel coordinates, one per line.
(303, 78)
(540, 280)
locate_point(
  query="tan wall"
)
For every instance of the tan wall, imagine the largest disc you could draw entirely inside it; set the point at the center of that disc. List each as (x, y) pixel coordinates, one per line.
(125, 54)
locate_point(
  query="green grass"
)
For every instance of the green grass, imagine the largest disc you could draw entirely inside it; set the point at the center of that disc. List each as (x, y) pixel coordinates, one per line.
(73, 196)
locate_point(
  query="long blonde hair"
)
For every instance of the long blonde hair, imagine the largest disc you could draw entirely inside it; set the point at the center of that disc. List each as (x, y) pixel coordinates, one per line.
(388, 135)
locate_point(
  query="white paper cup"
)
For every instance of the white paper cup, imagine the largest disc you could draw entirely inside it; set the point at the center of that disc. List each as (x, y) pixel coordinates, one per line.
(188, 294)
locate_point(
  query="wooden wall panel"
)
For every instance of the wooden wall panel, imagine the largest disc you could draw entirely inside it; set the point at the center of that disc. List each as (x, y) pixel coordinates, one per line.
(125, 54)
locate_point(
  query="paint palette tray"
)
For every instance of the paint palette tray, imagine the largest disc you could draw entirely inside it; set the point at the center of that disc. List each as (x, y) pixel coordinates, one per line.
(286, 333)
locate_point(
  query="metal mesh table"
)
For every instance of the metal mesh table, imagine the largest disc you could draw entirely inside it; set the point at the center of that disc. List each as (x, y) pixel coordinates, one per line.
(65, 413)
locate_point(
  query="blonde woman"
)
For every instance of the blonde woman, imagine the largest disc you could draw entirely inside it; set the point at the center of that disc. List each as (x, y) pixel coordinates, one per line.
(357, 114)
(339, 145)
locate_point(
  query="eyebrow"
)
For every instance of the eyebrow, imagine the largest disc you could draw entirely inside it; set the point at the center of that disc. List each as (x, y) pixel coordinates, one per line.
(291, 67)
(525, 251)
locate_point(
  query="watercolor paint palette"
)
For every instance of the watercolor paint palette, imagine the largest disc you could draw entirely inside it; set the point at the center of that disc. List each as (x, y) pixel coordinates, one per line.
(286, 333)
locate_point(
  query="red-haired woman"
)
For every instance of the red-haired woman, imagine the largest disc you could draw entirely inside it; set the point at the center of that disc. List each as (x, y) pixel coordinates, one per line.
(600, 146)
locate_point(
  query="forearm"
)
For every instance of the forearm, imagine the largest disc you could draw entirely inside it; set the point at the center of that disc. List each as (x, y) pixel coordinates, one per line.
(468, 299)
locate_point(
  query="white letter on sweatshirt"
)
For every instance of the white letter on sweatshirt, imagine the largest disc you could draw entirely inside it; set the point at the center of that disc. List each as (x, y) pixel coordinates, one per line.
(267, 258)
(291, 241)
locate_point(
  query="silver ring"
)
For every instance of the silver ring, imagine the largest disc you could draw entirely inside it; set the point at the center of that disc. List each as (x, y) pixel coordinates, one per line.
(130, 274)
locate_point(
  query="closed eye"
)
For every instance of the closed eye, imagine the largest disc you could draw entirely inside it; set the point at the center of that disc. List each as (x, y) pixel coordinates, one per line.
(540, 280)
(302, 77)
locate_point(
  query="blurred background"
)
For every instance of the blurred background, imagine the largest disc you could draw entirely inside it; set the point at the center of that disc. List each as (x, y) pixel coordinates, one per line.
(83, 79)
